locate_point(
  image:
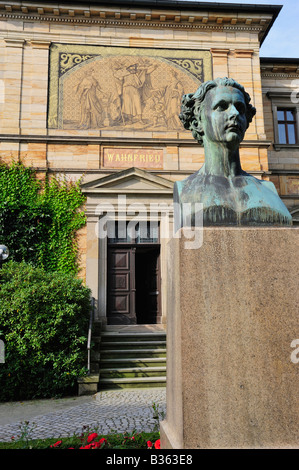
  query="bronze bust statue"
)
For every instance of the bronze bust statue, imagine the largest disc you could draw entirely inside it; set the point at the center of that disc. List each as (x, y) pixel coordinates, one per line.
(218, 115)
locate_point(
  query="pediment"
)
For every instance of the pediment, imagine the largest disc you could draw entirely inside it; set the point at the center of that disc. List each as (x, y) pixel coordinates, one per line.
(131, 180)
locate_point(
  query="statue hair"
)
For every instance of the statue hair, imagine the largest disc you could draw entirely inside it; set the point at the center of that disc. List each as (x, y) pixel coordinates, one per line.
(192, 105)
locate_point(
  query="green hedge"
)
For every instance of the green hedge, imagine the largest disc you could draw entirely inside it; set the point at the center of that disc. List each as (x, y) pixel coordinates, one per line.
(44, 324)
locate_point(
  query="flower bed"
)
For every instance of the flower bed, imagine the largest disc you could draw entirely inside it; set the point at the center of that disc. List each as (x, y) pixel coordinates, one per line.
(119, 441)
(88, 439)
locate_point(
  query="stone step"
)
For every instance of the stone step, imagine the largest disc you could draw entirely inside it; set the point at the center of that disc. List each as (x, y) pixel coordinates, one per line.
(128, 354)
(131, 359)
(128, 359)
(133, 362)
(129, 337)
(133, 372)
(132, 345)
(140, 382)
(133, 353)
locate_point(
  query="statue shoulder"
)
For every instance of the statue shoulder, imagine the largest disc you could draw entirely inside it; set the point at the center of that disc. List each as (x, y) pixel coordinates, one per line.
(177, 190)
(269, 185)
(186, 184)
(264, 183)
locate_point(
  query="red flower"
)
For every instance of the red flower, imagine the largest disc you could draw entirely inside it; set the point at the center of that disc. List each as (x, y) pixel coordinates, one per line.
(149, 444)
(157, 444)
(57, 444)
(101, 442)
(91, 437)
(95, 445)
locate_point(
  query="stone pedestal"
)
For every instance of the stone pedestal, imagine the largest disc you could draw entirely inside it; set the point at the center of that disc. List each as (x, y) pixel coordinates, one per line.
(88, 385)
(232, 381)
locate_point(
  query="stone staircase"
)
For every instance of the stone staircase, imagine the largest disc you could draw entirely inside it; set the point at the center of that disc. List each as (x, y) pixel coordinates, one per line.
(132, 358)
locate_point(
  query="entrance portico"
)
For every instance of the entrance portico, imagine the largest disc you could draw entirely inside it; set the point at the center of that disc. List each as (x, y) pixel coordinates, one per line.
(129, 221)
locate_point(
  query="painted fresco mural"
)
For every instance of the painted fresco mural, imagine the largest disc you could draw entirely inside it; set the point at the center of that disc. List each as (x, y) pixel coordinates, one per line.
(95, 87)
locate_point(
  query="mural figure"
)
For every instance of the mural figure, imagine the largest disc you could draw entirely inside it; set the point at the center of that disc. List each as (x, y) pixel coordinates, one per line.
(89, 95)
(173, 96)
(218, 114)
(135, 90)
(158, 108)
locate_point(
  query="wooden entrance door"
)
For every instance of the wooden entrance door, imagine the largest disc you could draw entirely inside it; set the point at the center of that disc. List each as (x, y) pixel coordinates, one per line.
(133, 285)
(121, 286)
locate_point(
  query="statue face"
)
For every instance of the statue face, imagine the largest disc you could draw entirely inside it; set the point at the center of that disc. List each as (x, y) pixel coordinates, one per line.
(224, 115)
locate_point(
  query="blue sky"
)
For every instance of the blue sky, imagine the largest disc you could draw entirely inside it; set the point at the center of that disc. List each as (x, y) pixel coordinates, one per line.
(283, 38)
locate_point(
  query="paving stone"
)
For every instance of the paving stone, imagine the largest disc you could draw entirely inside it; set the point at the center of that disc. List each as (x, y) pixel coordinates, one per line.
(107, 411)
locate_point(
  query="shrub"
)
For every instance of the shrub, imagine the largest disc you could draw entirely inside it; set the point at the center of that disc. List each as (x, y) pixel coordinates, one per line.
(23, 228)
(43, 321)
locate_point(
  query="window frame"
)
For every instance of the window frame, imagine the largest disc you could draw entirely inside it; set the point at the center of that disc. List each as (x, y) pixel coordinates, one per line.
(286, 123)
(137, 239)
(282, 101)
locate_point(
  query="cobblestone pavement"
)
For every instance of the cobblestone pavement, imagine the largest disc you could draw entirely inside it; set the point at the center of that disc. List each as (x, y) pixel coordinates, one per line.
(105, 412)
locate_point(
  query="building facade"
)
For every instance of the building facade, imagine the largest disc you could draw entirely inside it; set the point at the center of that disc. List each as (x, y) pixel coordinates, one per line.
(92, 91)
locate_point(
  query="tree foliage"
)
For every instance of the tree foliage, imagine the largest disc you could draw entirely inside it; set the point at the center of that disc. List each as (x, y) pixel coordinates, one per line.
(39, 221)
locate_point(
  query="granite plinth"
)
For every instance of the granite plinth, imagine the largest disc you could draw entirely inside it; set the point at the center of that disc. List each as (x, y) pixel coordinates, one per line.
(233, 314)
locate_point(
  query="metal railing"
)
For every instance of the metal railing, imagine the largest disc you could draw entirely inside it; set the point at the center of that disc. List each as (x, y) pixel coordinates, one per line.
(91, 318)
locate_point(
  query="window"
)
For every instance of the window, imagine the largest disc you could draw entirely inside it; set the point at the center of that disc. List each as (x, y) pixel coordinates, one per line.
(133, 232)
(286, 120)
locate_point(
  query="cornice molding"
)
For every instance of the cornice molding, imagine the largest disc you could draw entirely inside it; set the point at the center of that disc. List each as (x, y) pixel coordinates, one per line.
(87, 140)
(14, 42)
(135, 24)
(136, 17)
(40, 44)
(280, 70)
(275, 171)
(279, 75)
(279, 94)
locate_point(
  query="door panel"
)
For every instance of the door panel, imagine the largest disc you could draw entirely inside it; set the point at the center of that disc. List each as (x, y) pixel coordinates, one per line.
(120, 281)
(120, 258)
(119, 304)
(121, 286)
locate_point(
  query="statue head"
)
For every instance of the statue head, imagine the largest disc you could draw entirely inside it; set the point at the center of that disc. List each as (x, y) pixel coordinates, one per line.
(219, 110)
